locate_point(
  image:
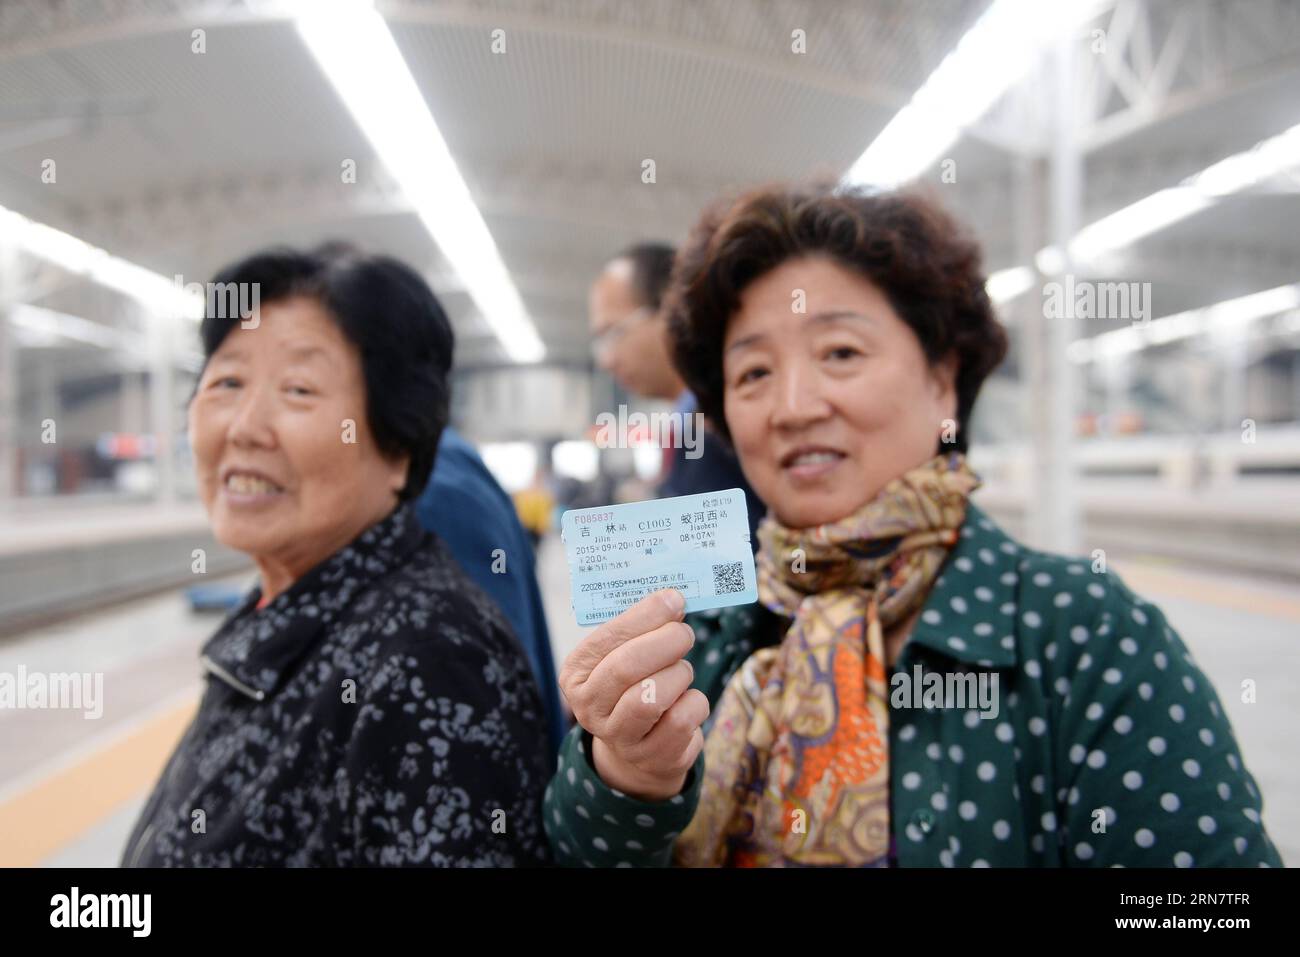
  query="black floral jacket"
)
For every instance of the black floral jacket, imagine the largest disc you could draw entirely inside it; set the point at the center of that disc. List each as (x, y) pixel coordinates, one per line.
(379, 712)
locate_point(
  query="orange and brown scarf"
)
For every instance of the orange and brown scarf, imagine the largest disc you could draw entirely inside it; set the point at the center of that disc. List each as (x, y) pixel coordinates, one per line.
(797, 759)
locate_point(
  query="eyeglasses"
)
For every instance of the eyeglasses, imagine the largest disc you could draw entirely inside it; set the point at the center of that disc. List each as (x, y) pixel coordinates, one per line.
(606, 338)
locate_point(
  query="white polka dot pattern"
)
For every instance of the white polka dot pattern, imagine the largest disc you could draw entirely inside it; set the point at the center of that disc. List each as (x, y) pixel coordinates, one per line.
(1108, 748)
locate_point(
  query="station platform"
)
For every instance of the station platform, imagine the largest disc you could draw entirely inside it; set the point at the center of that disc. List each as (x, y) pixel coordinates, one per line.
(70, 788)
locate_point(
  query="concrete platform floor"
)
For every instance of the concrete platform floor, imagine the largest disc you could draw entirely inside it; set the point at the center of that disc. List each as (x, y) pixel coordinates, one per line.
(70, 787)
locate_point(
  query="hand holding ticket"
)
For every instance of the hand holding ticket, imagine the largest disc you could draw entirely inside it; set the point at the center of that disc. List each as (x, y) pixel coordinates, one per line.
(629, 684)
(696, 544)
(637, 570)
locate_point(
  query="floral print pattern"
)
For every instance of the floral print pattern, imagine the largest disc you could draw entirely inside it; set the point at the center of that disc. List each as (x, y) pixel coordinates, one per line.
(378, 713)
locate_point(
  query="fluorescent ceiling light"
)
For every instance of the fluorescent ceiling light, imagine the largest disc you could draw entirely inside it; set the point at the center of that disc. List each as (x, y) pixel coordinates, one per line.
(154, 291)
(1257, 305)
(1125, 226)
(1163, 208)
(46, 327)
(1251, 167)
(356, 51)
(1049, 260)
(40, 328)
(1006, 284)
(1219, 317)
(993, 55)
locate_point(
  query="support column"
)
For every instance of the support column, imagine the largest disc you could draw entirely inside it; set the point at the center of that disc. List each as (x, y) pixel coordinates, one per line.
(162, 402)
(1056, 524)
(8, 376)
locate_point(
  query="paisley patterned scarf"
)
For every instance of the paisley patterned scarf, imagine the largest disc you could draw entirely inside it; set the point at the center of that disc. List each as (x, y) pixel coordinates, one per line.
(797, 759)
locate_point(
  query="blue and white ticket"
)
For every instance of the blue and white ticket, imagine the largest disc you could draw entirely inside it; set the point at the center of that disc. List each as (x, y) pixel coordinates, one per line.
(698, 544)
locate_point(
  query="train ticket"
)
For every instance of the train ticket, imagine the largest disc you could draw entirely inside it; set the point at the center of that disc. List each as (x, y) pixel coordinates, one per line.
(698, 544)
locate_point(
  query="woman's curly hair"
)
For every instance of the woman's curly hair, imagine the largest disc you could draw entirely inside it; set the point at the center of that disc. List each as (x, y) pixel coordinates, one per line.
(927, 266)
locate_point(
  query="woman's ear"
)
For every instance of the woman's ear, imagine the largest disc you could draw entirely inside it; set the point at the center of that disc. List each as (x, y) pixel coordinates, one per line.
(400, 470)
(944, 375)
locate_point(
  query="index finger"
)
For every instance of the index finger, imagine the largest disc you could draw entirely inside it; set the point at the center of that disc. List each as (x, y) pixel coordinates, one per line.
(645, 616)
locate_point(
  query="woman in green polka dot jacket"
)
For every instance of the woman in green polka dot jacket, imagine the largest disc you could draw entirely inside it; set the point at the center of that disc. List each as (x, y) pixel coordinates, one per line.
(913, 688)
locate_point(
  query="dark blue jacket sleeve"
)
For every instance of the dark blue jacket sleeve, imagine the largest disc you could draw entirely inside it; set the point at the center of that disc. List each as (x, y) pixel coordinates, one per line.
(465, 506)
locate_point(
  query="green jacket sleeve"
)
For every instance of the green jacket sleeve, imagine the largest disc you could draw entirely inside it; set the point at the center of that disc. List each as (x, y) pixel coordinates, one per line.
(591, 824)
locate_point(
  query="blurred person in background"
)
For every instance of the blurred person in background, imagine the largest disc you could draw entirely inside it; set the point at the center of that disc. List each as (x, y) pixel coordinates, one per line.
(470, 511)
(630, 339)
(367, 704)
(778, 735)
(535, 505)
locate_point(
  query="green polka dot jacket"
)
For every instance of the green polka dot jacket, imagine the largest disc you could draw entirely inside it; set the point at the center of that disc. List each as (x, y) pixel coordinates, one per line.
(1109, 746)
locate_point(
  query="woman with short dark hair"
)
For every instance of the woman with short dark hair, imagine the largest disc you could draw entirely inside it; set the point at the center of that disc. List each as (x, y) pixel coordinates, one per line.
(913, 688)
(367, 704)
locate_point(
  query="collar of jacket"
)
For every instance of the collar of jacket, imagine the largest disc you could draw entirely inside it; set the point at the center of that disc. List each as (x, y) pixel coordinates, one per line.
(254, 648)
(980, 574)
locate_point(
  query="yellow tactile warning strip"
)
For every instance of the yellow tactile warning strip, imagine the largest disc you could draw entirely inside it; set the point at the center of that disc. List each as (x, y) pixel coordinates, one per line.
(1155, 583)
(56, 810)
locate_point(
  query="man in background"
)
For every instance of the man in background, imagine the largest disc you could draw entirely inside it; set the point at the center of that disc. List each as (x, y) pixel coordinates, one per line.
(630, 338)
